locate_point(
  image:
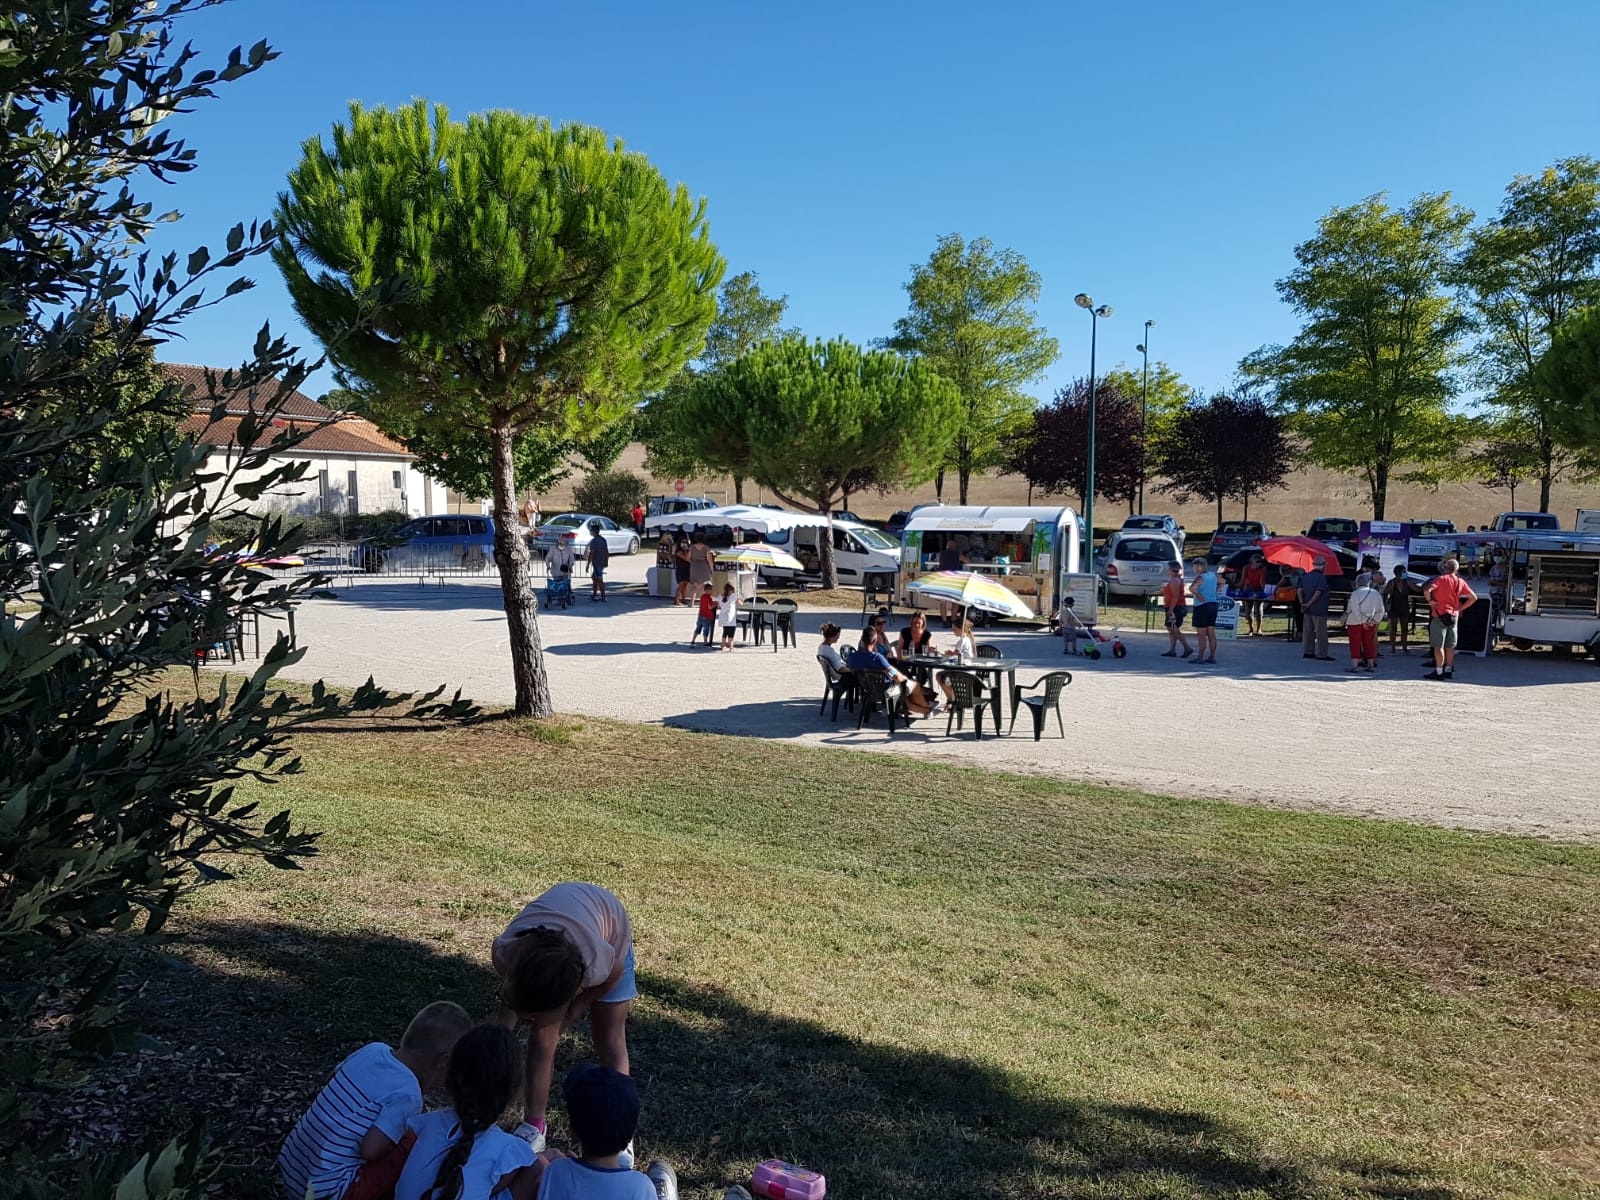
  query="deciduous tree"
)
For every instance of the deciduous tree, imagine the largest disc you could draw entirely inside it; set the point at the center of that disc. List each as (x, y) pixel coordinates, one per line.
(816, 413)
(519, 277)
(1569, 374)
(1052, 450)
(1526, 270)
(1369, 378)
(1227, 447)
(972, 317)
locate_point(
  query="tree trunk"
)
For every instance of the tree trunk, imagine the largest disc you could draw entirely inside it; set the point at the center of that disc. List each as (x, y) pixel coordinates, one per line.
(1513, 497)
(830, 570)
(965, 477)
(1247, 506)
(938, 485)
(516, 586)
(1380, 490)
(738, 489)
(1219, 512)
(1545, 481)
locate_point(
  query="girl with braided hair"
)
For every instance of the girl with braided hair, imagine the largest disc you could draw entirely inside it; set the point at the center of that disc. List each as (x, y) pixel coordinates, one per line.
(461, 1153)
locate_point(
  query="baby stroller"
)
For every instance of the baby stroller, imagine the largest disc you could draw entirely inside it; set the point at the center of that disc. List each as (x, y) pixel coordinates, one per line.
(558, 593)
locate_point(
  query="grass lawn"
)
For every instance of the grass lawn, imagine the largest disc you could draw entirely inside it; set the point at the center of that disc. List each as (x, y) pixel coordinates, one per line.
(926, 980)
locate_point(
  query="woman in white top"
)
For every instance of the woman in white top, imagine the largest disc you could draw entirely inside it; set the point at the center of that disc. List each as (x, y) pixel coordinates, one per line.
(1361, 616)
(829, 650)
(963, 651)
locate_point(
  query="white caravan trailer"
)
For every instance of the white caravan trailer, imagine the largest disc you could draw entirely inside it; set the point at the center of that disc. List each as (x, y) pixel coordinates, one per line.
(1027, 549)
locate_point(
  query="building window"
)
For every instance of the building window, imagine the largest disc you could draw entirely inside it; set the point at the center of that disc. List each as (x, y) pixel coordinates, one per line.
(397, 481)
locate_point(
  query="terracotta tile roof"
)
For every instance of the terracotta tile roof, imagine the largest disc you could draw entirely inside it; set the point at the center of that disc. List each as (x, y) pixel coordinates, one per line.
(343, 435)
(296, 404)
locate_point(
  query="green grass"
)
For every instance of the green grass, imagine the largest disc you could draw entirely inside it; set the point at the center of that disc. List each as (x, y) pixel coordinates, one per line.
(926, 980)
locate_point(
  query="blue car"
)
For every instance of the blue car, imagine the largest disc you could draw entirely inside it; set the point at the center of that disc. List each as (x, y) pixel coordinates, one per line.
(449, 543)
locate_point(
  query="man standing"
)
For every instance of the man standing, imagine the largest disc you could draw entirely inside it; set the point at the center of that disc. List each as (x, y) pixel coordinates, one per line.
(599, 560)
(638, 518)
(1314, 612)
(1173, 598)
(1204, 591)
(1448, 597)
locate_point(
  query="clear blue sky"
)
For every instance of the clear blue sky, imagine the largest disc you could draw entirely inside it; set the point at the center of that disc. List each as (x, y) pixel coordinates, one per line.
(1164, 158)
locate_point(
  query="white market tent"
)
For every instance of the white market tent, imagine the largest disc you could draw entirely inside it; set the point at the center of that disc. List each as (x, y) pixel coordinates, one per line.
(735, 516)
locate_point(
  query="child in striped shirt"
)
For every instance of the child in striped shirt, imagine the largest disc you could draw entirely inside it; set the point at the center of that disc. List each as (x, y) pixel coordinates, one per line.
(351, 1144)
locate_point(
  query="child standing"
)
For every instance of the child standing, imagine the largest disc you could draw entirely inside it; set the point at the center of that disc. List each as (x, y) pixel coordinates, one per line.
(1071, 626)
(570, 949)
(460, 1151)
(707, 620)
(603, 1108)
(348, 1144)
(728, 614)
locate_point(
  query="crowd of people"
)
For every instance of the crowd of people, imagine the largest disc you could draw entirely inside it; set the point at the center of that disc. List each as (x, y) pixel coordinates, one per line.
(896, 660)
(1373, 600)
(367, 1136)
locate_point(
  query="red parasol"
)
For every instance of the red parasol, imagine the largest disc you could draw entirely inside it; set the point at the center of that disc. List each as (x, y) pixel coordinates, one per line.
(1297, 552)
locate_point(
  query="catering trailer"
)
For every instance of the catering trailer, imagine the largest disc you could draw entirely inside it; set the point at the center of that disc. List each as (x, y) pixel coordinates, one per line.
(1553, 598)
(1027, 549)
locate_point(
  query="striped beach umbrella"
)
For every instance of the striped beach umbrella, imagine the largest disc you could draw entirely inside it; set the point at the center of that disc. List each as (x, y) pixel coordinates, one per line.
(972, 589)
(755, 555)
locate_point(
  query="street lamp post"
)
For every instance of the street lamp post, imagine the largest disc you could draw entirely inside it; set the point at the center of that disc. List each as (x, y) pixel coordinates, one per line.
(1082, 300)
(1144, 412)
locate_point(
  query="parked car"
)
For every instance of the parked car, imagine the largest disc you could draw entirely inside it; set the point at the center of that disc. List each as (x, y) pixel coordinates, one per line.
(573, 528)
(1157, 523)
(452, 542)
(1516, 522)
(844, 514)
(1236, 535)
(1333, 531)
(667, 505)
(1426, 528)
(1134, 563)
(896, 524)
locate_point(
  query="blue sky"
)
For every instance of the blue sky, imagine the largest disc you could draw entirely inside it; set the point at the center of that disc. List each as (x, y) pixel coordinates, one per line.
(1165, 158)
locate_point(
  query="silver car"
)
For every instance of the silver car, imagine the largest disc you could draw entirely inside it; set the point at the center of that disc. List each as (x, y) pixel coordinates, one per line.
(1134, 563)
(573, 528)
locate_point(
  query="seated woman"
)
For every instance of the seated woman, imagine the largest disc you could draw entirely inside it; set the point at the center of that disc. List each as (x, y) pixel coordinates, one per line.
(866, 658)
(963, 651)
(829, 650)
(878, 628)
(915, 638)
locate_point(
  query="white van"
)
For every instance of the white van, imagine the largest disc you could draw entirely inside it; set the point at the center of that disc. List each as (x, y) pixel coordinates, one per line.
(863, 556)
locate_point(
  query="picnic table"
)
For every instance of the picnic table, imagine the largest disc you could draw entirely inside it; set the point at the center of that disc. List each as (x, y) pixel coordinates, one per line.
(764, 616)
(981, 667)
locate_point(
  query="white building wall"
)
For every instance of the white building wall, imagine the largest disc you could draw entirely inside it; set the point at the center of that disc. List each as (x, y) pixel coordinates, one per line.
(344, 484)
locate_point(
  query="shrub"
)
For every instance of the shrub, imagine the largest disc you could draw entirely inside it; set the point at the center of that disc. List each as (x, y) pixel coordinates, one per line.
(611, 494)
(116, 796)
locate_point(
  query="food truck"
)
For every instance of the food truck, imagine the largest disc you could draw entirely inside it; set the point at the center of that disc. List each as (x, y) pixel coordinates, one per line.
(1027, 549)
(1553, 597)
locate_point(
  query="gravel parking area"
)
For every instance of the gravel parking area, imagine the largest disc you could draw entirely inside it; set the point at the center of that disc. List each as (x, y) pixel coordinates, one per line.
(1503, 747)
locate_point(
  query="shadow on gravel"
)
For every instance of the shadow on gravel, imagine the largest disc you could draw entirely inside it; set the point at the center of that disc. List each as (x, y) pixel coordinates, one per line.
(259, 1015)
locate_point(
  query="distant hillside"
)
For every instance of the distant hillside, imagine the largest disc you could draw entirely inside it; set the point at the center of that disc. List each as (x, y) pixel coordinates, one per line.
(1311, 493)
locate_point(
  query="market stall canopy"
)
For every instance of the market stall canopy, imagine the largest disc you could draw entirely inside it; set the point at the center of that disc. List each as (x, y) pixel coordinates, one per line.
(988, 519)
(735, 516)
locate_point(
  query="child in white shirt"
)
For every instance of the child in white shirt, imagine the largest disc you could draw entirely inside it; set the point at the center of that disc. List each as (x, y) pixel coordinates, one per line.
(728, 614)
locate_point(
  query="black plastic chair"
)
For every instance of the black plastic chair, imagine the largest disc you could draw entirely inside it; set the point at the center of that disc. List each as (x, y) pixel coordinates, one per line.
(965, 694)
(872, 688)
(1048, 700)
(837, 685)
(989, 650)
(783, 623)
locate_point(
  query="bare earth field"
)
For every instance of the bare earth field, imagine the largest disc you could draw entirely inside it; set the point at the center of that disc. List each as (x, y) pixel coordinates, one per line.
(1507, 746)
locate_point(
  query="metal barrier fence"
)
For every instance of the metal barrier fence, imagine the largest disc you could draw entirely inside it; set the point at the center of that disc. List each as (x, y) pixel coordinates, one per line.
(354, 562)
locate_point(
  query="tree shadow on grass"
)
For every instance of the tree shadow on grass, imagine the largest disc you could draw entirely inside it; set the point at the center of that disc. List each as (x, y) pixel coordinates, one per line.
(723, 1085)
